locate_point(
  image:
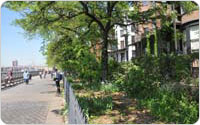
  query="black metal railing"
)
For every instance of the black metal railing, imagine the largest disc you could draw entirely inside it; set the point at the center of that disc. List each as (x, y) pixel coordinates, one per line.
(75, 113)
(16, 79)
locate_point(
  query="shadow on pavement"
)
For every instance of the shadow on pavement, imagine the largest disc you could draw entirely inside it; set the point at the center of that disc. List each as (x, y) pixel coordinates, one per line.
(56, 111)
(48, 92)
(52, 84)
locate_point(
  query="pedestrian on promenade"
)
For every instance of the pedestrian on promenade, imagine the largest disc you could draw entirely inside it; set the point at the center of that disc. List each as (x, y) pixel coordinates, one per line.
(57, 78)
(30, 76)
(51, 74)
(45, 73)
(26, 76)
(40, 75)
(10, 75)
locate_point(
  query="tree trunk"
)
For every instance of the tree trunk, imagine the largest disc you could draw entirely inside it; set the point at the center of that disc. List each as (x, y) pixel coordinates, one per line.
(174, 25)
(104, 58)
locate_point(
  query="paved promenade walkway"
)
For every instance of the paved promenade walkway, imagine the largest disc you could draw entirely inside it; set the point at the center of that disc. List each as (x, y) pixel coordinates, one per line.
(35, 103)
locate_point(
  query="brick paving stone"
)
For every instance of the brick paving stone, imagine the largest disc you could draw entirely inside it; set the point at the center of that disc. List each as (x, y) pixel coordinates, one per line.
(28, 104)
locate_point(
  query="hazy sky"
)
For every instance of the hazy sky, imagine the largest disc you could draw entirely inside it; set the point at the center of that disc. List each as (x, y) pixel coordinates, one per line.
(15, 46)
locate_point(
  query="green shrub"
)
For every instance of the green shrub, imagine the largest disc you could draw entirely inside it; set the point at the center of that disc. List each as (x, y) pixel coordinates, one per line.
(167, 107)
(64, 110)
(77, 86)
(155, 82)
(93, 106)
(113, 67)
(109, 88)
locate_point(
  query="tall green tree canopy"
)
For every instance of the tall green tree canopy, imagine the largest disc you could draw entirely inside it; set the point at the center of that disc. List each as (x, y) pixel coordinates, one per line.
(84, 20)
(79, 18)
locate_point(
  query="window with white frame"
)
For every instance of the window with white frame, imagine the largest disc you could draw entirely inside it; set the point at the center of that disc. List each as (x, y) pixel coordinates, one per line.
(133, 53)
(121, 32)
(132, 39)
(132, 28)
(122, 44)
(122, 57)
(194, 38)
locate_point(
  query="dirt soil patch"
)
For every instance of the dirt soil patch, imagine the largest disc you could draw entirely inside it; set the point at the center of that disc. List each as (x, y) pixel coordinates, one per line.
(124, 110)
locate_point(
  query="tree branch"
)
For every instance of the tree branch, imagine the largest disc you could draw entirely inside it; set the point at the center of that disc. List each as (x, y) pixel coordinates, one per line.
(72, 30)
(113, 5)
(93, 17)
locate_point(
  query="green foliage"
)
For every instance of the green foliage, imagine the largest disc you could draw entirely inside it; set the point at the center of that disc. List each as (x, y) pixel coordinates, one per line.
(75, 57)
(64, 110)
(143, 77)
(189, 6)
(109, 88)
(182, 67)
(71, 28)
(119, 76)
(148, 44)
(88, 22)
(168, 107)
(155, 43)
(77, 86)
(157, 83)
(113, 67)
(95, 105)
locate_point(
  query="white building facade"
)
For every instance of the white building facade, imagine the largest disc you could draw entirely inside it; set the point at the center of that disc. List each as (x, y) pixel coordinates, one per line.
(125, 37)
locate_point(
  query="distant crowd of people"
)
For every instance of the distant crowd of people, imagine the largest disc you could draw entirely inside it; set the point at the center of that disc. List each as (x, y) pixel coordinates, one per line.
(26, 76)
(55, 75)
(43, 74)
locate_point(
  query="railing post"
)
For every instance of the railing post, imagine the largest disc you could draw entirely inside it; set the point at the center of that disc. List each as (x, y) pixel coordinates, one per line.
(17, 78)
(75, 114)
(65, 89)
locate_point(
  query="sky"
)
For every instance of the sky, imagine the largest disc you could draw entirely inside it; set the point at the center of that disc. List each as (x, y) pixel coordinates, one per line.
(15, 46)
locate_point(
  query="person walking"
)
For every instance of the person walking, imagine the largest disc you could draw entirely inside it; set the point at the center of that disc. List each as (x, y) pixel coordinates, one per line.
(45, 73)
(10, 75)
(57, 80)
(51, 74)
(26, 76)
(40, 75)
(30, 76)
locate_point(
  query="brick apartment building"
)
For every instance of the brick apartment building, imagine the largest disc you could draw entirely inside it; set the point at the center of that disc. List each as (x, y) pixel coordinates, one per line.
(188, 24)
(131, 40)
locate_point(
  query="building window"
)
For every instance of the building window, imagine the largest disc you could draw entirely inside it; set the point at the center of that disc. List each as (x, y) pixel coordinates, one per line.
(132, 39)
(124, 28)
(194, 32)
(122, 44)
(122, 57)
(132, 28)
(145, 3)
(133, 53)
(121, 32)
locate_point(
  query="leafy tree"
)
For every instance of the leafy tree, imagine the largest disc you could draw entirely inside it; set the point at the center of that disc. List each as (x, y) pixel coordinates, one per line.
(80, 18)
(84, 20)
